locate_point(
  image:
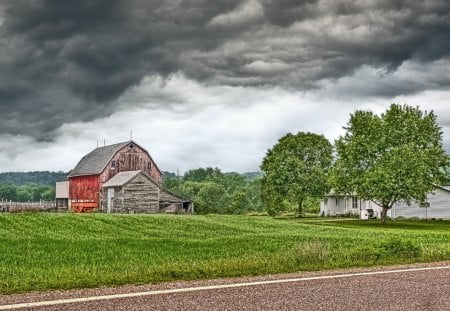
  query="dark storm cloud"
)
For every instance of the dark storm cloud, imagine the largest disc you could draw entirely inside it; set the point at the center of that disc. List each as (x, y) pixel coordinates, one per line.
(67, 61)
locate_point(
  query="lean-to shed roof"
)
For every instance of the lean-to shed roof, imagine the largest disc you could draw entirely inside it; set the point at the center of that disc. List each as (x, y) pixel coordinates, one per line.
(122, 178)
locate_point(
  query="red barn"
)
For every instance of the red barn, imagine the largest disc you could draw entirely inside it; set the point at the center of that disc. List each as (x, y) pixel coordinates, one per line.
(100, 165)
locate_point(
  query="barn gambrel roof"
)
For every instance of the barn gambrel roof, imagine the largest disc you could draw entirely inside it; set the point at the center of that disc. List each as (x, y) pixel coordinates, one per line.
(95, 162)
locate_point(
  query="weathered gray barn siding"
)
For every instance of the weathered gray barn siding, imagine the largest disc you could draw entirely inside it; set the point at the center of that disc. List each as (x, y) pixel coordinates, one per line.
(169, 202)
(140, 195)
(137, 195)
(136, 192)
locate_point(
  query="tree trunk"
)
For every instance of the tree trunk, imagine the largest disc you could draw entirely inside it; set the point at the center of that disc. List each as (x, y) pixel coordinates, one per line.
(300, 208)
(384, 211)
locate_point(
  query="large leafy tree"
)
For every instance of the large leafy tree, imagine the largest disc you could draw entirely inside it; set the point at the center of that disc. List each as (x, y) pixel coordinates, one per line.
(296, 169)
(395, 156)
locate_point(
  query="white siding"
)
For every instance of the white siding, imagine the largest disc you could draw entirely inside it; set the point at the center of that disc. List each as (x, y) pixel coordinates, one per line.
(62, 189)
(439, 201)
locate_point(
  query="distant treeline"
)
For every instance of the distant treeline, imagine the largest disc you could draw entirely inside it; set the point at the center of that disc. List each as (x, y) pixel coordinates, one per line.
(30, 192)
(29, 186)
(38, 177)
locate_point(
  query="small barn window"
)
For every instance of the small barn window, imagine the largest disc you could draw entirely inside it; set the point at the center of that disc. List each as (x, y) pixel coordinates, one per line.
(131, 146)
(149, 166)
(113, 163)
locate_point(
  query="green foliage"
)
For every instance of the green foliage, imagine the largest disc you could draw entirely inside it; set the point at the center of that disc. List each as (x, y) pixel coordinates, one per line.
(38, 177)
(296, 169)
(27, 192)
(252, 175)
(8, 192)
(47, 251)
(215, 192)
(395, 156)
(202, 174)
(29, 186)
(398, 247)
(312, 205)
(211, 198)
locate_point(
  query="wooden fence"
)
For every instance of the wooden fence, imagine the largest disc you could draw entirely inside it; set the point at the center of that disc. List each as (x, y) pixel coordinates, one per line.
(17, 207)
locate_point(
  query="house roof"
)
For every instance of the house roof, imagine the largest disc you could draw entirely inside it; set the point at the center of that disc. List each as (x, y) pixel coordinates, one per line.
(95, 161)
(333, 193)
(445, 188)
(122, 178)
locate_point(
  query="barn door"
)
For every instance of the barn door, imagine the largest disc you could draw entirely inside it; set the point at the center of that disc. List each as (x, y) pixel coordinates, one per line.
(110, 200)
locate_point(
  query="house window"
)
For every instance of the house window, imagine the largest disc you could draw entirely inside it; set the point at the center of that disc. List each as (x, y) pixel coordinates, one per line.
(354, 202)
(337, 201)
(325, 201)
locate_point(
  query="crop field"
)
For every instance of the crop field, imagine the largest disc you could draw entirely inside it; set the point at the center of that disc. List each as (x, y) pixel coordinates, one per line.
(61, 251)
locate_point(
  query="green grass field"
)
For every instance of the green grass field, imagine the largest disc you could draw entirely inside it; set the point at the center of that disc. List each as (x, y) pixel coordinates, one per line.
(62, 251)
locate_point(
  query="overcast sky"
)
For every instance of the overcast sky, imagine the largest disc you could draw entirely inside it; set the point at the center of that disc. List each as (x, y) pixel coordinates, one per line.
(208, 83)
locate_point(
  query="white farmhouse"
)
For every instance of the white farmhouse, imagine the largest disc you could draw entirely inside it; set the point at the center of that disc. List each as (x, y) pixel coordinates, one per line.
(436, 206)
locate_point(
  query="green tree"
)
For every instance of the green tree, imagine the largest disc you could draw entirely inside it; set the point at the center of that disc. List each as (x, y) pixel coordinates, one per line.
(239, 202)
(172, 183)
(190, 189)
(211, 198)
(8, 192)
(48, 194)
(254, 193)
(215, 192)
(397, 156)
(296, 169)
(23, 194)
(202, 174)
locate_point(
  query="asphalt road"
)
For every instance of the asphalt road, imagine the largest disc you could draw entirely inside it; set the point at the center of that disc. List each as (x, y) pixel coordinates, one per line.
(413, 287)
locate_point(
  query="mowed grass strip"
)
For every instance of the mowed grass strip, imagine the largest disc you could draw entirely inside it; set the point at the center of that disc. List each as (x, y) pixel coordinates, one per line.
(64, 251)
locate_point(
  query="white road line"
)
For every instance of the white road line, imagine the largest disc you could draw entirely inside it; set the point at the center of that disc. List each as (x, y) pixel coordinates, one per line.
(194, 289)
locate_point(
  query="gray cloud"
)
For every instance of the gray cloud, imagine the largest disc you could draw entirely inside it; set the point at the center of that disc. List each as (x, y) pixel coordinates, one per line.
(64, 61)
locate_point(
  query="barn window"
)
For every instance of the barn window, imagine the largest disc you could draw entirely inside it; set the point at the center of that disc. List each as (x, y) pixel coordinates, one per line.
(131, 146)
(149, 166)
(113, 163)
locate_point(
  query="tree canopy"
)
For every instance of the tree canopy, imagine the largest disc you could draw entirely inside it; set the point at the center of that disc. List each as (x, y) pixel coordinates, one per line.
(395, 156)
(28, 192)
(36, 177)
(213, 191)
(296, 169)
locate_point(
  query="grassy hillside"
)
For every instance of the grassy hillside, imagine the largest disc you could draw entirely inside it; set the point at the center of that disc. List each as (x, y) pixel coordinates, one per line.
(62, 251)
